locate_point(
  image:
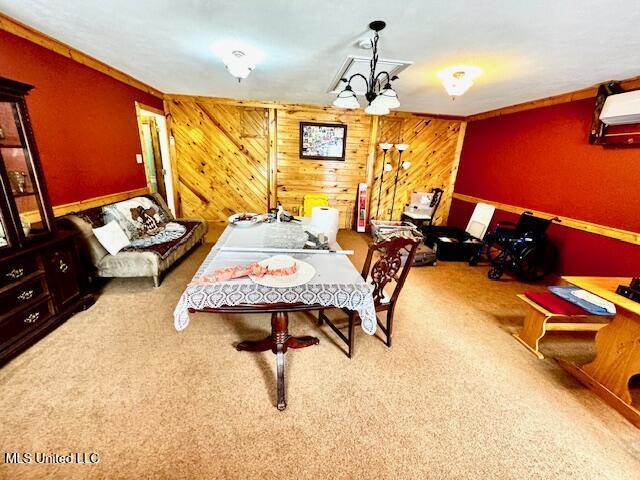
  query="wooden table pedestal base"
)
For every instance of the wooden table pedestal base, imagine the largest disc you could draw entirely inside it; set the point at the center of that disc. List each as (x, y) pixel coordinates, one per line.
(278, 342)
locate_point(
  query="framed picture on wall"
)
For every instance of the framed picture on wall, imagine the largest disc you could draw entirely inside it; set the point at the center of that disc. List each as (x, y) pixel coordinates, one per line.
(323, 141)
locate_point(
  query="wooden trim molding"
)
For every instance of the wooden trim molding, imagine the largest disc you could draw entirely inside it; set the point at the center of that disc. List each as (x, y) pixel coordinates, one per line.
(148, 108)
(589, 92)
(177, 204)
(234, 102)
(142, 146)
(15, 27)
(371, 161)
(64, 209)
(272, 170)
(611, 232)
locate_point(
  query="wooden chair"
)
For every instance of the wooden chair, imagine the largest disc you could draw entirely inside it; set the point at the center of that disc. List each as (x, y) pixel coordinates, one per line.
(386, 269)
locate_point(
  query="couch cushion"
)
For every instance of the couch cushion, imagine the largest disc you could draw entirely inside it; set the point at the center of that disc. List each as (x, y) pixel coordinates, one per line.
(555, 304)
(129, 264)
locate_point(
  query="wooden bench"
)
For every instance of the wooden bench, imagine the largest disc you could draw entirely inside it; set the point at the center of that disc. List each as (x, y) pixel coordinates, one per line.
(540, 320)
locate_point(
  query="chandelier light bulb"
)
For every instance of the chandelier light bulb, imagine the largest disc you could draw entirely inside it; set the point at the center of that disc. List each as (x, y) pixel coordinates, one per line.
(376, 108)
(387, 167)
(406, 165)
(388, 97)
(346, 99)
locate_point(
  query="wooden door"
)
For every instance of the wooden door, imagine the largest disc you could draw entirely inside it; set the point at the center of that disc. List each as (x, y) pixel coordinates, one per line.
(222, 158)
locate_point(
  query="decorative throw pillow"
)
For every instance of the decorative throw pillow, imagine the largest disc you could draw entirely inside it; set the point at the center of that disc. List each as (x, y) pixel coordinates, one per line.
(112, 237)
(139, 217)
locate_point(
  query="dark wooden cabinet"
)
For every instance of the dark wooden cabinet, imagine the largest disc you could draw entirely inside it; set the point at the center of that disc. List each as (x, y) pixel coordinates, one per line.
(42, 282)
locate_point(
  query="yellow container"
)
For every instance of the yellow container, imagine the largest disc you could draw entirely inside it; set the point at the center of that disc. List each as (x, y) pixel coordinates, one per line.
(313, 200)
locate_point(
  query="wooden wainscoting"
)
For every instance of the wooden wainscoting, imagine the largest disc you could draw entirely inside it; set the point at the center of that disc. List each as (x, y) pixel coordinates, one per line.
(222, 158)
(606, 231)
(233, 156)
(63, 209)
(433, 156)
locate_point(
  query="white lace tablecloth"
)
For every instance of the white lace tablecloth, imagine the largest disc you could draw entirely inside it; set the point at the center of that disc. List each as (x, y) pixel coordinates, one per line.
(336, 283)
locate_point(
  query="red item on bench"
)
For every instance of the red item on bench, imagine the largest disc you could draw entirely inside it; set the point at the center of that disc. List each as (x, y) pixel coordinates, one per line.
(555, 304)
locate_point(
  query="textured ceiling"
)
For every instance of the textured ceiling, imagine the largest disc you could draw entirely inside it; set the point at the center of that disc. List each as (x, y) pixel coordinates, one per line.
(527, 49)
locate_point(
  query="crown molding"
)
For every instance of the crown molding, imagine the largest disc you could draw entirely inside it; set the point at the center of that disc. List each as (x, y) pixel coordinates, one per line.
(19, 29)
(15, 27)
(588, 92)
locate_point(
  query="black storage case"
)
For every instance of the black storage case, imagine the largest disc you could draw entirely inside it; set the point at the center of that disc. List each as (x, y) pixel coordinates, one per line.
(460, 247)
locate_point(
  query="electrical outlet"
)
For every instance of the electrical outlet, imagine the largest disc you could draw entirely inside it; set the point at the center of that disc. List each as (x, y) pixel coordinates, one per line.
(138, 158)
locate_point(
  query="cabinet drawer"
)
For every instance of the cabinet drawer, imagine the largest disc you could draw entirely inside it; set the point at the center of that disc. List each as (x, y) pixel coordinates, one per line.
(29, 319)
(62, 273)
(23, 294)
(14, 271)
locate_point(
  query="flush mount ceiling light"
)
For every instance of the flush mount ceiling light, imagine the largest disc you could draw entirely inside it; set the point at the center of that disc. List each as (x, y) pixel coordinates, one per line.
(239, 58)
(379, 93)
(239, 65)
(457, 80)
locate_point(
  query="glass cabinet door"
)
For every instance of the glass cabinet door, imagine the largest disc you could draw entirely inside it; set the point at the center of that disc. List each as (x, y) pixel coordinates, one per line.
(5, 241)
(16, 158)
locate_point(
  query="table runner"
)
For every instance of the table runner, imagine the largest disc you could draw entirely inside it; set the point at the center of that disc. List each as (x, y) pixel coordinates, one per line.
(336, 284)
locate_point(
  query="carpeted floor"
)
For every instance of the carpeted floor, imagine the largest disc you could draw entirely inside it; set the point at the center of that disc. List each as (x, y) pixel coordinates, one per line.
(456, 396)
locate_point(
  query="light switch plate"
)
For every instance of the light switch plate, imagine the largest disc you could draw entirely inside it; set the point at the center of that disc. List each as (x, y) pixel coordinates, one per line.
(138, 158)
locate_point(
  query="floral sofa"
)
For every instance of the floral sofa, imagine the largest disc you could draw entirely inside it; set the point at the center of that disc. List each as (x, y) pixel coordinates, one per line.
(149, 255)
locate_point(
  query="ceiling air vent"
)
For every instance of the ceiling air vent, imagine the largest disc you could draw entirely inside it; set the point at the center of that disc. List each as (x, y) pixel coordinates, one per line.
(357, 64)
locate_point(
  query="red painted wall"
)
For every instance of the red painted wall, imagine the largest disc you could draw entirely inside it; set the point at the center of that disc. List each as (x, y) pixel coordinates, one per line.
(84, 122)
(541, 159)
(581, 253)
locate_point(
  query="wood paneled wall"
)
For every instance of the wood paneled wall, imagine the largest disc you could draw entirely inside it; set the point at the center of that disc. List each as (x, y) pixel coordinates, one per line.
(222, 156)
(233, 156)
(433, 156)
(339, 180)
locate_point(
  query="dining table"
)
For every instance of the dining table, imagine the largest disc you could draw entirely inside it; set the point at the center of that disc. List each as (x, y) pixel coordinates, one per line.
(335, 283)
(617, 348)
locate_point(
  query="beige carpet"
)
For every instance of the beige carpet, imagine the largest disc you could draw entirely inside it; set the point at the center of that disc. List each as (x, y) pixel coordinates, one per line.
(456, 396)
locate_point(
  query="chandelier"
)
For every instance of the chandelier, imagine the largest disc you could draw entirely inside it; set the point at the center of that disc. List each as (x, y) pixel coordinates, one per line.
(379, 94)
